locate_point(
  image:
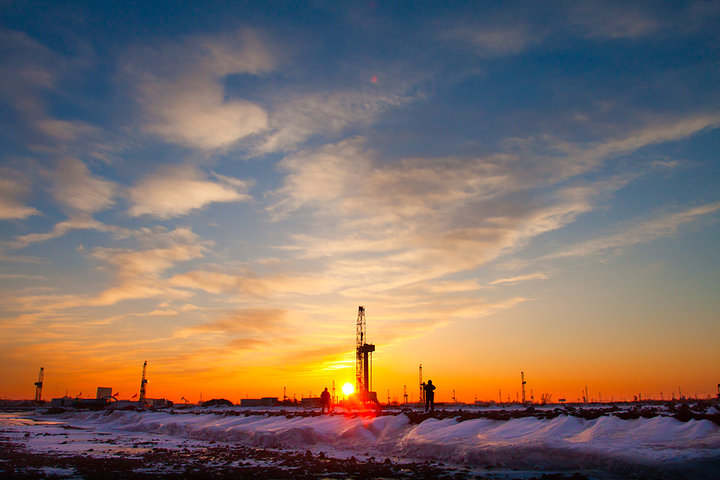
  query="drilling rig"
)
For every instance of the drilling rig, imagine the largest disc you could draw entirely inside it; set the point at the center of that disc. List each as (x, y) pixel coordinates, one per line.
(363, 362)
(144, 381)
(38, 385)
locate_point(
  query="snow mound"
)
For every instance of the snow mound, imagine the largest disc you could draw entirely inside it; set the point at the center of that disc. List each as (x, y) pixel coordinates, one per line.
(564, 442)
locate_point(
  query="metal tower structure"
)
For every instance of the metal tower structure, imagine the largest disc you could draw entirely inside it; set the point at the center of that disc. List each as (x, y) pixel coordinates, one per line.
(363, 360)
(143, 383)
(522, 384)
(421, 385)
(39, 384)
(405, 396)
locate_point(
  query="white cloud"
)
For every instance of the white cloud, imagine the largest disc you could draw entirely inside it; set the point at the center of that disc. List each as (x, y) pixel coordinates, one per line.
(180, 88)
(491, 41)
(80, 222)
(174, 191)
(13, 186)
(520, 278)
(78, 190)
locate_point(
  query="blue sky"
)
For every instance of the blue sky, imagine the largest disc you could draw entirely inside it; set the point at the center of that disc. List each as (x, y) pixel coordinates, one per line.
(216, 188)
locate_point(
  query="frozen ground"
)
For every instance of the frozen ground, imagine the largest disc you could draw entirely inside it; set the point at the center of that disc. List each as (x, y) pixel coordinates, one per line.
(231, 442)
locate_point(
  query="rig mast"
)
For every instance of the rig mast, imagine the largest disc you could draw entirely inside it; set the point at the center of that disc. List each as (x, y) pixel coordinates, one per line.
(522, 383)
(143, 383)
(421, 385)
(363, 358)
(38, 385)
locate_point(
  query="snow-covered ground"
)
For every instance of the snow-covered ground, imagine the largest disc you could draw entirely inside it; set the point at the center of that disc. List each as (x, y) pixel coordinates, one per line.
(602, 447)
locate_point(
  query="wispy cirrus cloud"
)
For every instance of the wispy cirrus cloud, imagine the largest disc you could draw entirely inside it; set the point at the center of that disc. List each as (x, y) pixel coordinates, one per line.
(136, 273)
(491, 40)
(385, 225)
(78, 190)
(80, 194)
(14, 185)
(519, 278)
(664, 225)
(248, 284)
(177, 190)
(296, 118)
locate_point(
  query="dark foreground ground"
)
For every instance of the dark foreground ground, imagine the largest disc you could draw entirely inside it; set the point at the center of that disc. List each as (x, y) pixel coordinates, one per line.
(224, 462)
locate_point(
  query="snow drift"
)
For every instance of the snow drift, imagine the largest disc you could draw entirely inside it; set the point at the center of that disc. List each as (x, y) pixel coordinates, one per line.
(564, 442)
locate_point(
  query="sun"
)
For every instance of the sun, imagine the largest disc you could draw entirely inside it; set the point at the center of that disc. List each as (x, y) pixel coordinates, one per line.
(348, 388)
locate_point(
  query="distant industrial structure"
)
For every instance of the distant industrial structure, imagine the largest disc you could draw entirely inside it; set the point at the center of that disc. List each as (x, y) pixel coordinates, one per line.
(39, 385)
(260, 402)
(363, 362)
(143, 382)
(104, 397)
(104, 393)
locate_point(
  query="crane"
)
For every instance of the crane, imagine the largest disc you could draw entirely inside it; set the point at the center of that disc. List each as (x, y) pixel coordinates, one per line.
(144, 381)
(38, 385)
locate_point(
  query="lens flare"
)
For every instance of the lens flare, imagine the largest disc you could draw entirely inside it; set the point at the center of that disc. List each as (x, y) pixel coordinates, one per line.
(348, 388)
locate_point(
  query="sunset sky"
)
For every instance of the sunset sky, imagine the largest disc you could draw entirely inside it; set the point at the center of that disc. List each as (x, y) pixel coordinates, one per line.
(215, 187)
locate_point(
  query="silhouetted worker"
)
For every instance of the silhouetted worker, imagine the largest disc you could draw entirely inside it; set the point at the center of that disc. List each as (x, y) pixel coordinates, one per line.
(325, 400)
(429, 396)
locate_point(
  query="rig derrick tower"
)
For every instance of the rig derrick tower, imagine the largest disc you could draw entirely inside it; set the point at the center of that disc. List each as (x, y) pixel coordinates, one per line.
(522, 383)
(143, 382)
(363, 361)
(39, 385)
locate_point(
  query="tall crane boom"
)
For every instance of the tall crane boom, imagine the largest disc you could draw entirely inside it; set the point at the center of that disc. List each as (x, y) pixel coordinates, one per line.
(143, 383)
(39, 385)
